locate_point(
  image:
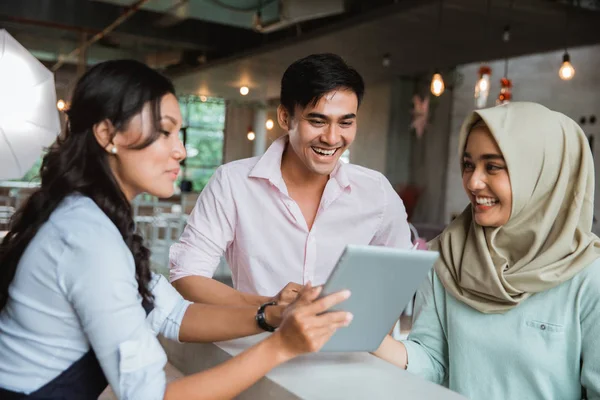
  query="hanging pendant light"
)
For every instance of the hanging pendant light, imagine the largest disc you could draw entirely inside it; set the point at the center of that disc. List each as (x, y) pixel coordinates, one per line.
(437, 84)
(505, 95)
(566, 71)
(482, 87)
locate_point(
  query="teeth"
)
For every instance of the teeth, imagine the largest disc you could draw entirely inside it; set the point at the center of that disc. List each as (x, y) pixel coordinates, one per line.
(486, 201)
(323, 151)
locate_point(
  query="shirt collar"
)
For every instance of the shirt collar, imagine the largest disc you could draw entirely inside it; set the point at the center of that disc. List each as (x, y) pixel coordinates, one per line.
(269, 165)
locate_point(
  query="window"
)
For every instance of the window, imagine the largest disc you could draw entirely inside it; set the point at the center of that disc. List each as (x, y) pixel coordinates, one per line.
(204, 122)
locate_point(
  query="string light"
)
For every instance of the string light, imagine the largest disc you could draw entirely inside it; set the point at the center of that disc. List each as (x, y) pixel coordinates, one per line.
(244, 90)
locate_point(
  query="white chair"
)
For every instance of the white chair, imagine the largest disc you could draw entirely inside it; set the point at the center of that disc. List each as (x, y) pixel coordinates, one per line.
(6, 213)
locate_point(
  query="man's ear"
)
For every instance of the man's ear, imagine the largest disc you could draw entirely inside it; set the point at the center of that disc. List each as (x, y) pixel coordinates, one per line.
(104, 134)
(284, 118)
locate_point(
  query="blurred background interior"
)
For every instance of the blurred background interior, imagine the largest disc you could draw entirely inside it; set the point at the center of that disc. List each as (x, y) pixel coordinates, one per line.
(426, 63)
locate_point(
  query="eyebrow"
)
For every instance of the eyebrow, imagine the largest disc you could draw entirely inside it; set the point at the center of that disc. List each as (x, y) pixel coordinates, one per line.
(323, 116)
(486, 156)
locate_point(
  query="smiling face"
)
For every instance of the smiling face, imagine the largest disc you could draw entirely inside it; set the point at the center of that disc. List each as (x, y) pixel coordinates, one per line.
(152, 169)
(485, 179)
(320, 133)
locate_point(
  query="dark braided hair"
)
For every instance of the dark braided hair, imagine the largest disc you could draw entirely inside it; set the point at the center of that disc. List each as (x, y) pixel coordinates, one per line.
(76, 163)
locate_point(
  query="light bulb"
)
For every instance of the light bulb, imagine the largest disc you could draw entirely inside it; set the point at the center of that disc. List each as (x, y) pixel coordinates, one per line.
(437, 85)
(203, 99)
(482, 87)
(61, 105)
(483, 84)
(269, 124)
(566, 71)
(251, 136)
(244, 90)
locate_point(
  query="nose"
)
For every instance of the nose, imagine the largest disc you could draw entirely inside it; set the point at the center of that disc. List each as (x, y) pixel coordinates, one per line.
(332, 136)
(476, 181)
(179, 152)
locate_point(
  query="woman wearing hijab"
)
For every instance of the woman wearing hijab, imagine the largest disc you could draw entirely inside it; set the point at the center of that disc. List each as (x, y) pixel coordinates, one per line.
(510, 310)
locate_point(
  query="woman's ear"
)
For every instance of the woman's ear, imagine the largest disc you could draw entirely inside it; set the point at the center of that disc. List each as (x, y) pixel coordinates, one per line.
(104, 132)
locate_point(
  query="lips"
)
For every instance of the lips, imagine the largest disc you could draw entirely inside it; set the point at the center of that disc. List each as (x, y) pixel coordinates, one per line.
(174, 173)
(484, 203)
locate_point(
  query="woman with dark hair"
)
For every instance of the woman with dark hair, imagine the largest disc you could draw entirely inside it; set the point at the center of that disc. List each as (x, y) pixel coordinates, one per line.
(79, 306)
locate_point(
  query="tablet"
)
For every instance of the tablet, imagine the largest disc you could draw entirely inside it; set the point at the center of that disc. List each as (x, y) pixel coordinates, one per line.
(382, 280)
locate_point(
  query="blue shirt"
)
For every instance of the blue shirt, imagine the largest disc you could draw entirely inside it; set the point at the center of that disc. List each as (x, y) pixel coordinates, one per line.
(75, 288)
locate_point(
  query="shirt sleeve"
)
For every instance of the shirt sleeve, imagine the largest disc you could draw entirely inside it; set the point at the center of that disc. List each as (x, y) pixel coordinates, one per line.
(98, 279)
(169, 308)
(427, 345)
(208, 233)
(590, 335)
(393, 230)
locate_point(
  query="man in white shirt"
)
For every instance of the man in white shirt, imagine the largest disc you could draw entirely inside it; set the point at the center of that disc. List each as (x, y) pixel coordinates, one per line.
(288, 215)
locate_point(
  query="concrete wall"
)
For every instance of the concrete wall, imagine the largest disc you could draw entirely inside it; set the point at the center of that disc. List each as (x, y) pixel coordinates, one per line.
(428, 159)
(370, 146)
(535, 78)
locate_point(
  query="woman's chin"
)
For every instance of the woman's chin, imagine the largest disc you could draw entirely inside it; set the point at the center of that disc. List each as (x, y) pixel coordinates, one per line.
(162, 193)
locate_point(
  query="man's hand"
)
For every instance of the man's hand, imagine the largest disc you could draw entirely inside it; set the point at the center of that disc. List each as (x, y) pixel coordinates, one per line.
(288, 294)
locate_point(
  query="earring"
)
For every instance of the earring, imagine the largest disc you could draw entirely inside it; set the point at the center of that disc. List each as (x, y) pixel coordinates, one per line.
(114, 150)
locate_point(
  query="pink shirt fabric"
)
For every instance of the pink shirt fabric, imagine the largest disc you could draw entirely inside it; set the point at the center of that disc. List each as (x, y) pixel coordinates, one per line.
(245, 212)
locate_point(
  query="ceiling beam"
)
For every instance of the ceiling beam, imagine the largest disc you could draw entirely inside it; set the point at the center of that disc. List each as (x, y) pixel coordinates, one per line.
(92, 17)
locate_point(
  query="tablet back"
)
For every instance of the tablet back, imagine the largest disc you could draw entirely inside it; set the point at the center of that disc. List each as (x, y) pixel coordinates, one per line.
(382, 281)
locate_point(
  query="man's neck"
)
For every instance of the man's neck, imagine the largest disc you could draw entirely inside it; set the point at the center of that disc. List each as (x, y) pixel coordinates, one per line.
(295, 173)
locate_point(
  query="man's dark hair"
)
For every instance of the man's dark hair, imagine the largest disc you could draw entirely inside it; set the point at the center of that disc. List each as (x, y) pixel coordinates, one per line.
(307, 80)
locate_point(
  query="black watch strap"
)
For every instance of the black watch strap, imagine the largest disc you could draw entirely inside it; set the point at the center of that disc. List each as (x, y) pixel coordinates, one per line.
(261, 318)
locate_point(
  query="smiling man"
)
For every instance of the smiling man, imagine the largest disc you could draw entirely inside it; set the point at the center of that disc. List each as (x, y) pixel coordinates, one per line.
(283, 219)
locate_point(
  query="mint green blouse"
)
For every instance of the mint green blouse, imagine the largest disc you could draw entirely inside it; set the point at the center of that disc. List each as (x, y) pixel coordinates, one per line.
(548, 347)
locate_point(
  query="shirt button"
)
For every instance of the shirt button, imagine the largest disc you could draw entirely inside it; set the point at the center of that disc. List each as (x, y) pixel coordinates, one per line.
(543, 327)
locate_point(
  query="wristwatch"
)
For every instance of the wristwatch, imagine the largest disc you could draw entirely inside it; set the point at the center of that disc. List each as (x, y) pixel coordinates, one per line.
(261, 318)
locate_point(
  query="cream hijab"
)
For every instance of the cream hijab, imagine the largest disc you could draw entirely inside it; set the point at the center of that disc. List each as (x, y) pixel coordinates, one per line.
(548, 237)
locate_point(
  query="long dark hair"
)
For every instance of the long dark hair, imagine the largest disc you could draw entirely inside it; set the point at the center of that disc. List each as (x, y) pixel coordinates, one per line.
(77, 163)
